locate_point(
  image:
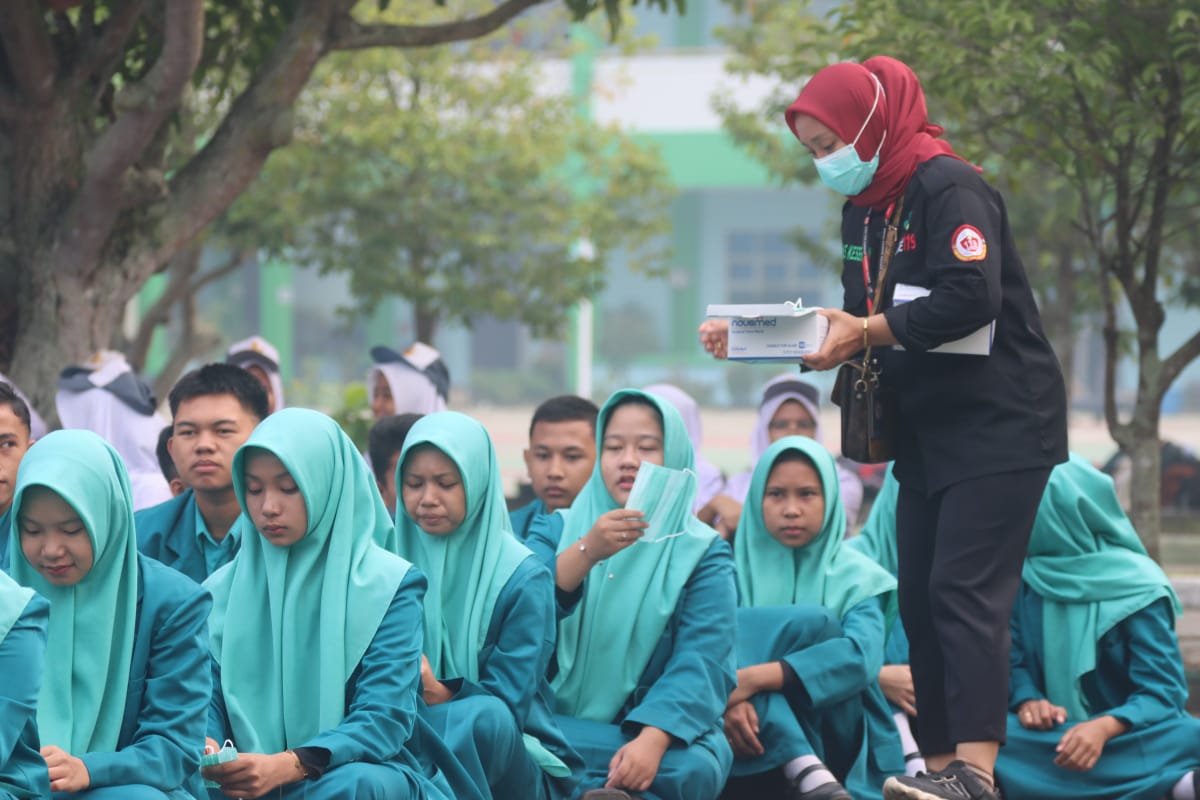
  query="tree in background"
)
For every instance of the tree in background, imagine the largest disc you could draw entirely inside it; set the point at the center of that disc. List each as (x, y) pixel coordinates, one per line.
(1093, 106)
(453, 179)
(97, 190)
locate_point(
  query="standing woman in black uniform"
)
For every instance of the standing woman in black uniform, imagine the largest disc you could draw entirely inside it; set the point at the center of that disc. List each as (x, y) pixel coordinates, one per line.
(976, 436)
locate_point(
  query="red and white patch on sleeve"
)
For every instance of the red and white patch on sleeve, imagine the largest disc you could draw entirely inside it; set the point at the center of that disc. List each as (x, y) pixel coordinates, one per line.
(968, 244)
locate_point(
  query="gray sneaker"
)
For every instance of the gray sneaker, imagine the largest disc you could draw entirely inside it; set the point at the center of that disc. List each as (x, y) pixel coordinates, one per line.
(956, 782)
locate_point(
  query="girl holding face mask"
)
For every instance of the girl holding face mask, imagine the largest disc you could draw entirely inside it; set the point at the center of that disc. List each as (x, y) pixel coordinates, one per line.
(644, 661)
(316, 631)
(489, 614)
(812, 624)
(127, 680)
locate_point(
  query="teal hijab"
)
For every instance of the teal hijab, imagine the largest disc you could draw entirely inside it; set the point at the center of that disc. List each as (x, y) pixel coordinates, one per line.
(877, 539)
(822, 571)
(290, 624)
(467, 568)
(13, 600)
(1088, 565)
(90, 643)
(604, 647)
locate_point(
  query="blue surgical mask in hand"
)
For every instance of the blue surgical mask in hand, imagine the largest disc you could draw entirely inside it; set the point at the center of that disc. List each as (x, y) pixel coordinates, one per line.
(665, 496)
(225, 754)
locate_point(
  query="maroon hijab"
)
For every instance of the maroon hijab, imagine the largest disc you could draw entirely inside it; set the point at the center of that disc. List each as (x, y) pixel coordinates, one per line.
(840, 97)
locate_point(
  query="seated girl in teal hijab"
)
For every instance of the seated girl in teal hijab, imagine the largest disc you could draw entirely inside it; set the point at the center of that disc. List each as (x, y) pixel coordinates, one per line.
(877, 541)
(23, 619)
(1097, 688)
(812, 624)
(127, 680)
(316, 630)
(489, 614)
(644, 661)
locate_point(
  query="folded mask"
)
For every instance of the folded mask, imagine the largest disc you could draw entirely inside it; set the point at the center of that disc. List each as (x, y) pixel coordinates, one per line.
(225, 754)
(665, 496)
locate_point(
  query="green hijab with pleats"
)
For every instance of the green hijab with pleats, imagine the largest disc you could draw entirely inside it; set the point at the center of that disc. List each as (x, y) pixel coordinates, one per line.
(1091, 570)
(877, 539)
(468, 567)
(290, 624)
(628, 600)
(90, 642)
(822, 571)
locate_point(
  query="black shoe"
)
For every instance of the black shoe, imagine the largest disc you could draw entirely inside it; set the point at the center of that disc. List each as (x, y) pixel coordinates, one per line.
(956, 782)
(826, 791)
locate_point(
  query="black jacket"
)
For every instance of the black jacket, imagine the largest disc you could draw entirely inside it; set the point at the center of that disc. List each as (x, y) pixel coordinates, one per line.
(960, 416)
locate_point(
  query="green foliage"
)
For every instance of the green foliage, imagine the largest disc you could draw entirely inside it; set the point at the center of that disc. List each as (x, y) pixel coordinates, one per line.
(450, 178)
(1086, 115)
(355, 414)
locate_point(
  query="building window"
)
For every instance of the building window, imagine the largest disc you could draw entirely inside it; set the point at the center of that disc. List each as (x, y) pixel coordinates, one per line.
(766, 267)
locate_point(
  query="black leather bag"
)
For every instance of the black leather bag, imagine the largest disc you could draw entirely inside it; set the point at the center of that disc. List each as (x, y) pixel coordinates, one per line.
(868, 412)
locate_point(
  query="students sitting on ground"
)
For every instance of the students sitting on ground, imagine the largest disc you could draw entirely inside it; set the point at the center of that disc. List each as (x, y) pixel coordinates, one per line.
(127, 678)
(644, 662)
(316, 631)
(489, 615)
(1097, 688)
(812, 625)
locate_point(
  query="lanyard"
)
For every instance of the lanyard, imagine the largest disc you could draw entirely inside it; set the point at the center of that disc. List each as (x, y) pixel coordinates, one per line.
(866, 260)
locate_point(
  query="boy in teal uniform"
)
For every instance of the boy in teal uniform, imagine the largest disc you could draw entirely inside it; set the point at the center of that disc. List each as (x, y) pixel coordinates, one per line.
(561, 452)
(214, 409)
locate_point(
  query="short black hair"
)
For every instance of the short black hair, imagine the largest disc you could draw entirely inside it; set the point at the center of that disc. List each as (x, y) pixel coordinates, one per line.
(386, 438)
(9, 395)
(221, 379)
(565, 408)
(165, 462)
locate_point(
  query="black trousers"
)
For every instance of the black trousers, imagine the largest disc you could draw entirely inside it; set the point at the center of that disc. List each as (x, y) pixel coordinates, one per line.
(960, 556)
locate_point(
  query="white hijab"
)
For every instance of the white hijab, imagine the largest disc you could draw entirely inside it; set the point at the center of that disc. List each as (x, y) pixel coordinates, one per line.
(132, 433)
(711, 481)
(738, 485)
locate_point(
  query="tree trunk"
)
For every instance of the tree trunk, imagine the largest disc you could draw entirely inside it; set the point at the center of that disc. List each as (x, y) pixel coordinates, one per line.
(1145, 479)
(425, 321)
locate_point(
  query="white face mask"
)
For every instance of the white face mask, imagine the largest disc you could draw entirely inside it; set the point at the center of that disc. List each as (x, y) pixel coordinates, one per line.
(842, 170)
(665, 496)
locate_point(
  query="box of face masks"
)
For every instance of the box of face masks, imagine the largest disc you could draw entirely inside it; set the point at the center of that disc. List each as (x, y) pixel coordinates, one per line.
(772, 331)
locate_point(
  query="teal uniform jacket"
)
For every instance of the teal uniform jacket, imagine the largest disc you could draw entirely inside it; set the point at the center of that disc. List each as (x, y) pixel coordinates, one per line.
(516, 653)
(5, 535)
(683, 689)
(382, 729)
(167, 533)
(23, 771)
(1139, 679)
(522, 518)
(837, 711)
(169, 689)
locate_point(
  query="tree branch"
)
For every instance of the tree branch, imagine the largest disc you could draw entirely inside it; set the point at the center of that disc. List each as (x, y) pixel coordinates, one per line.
(88, 223)
(103, 54)
(29, 51)
(259, 121)
(351, 35)
(183, 283)
(1178, 361)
